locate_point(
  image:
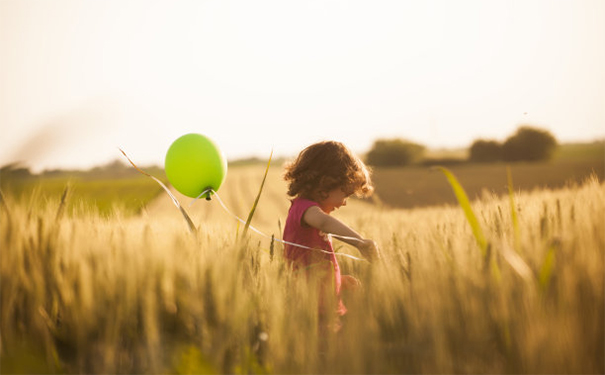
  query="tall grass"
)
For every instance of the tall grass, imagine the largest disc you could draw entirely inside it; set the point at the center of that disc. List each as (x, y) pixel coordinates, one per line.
(91, 293)
(260, 191)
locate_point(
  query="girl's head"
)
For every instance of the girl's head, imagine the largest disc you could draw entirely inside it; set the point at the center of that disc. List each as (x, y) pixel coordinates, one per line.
(325, 167)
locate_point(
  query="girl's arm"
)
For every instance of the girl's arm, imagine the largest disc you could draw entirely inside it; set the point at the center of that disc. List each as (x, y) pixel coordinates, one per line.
(318, 219)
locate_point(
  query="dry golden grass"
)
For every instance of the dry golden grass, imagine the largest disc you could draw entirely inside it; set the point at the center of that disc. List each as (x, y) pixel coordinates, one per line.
(86, 293)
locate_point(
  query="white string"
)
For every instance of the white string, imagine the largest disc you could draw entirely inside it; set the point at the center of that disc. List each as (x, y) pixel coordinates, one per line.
(211, 191)
(277, 239)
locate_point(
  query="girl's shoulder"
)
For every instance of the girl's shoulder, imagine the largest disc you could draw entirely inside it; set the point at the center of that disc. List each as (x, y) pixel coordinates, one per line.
(299, 205)
(303, 202)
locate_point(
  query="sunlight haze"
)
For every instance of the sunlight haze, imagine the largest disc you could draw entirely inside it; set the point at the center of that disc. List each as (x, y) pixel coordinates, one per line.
(78, 79)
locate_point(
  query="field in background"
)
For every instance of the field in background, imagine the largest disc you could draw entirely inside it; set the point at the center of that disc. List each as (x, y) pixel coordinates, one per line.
(422, 186)
(580, 151)
(119, 185)
(103, 189)
(90, 292)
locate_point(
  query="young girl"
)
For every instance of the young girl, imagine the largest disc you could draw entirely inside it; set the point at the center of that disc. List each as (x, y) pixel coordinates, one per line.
(320, 180)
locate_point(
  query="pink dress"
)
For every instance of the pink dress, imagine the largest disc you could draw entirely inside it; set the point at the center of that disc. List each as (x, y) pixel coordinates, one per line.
(297, 232)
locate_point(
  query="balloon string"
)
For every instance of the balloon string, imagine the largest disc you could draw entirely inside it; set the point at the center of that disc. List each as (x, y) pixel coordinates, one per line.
(212, 191)
(199, 196)
(174, 200)
(283, 241)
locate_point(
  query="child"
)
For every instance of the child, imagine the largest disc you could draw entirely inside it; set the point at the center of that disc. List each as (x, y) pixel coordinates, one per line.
(320, 180)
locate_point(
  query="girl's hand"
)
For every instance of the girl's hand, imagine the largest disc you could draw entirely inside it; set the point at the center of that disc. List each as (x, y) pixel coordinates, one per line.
(369, 250)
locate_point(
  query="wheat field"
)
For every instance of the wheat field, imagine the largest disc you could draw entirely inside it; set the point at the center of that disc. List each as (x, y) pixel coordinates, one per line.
(90, 293)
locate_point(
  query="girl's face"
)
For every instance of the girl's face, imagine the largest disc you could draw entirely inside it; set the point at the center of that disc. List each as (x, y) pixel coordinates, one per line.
(336, 198)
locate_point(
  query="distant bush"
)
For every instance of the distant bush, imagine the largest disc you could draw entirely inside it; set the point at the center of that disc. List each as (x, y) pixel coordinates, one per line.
(529, 144)
(14, 171)
(483, 151)
(394, 152)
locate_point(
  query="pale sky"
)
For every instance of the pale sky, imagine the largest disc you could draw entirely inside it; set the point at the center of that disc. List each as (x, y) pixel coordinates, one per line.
(78, 79)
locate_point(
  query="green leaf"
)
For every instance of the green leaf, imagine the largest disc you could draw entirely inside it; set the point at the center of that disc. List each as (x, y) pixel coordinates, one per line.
(546, 270)
(466, 207)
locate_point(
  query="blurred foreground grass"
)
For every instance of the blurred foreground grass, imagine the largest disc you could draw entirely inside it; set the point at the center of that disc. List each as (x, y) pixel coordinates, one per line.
(91, 293)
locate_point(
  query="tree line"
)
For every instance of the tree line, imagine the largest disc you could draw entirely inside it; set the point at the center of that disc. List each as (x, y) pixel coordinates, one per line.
(526, 144)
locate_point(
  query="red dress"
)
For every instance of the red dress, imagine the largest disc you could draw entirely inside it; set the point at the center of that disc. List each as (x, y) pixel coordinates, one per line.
(297, 232)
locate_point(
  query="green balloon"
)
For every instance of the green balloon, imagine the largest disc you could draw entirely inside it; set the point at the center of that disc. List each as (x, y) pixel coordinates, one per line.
(193, 164)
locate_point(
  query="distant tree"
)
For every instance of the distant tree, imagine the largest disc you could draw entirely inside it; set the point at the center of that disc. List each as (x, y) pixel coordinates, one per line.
(529, 144)
(483, 151)
(14, 171)
(394, 152)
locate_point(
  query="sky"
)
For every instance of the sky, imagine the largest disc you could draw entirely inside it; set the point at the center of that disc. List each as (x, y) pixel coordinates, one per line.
(80, 79)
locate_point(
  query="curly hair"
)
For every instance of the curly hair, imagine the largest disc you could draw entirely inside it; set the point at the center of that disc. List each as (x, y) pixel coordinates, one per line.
(325, 166)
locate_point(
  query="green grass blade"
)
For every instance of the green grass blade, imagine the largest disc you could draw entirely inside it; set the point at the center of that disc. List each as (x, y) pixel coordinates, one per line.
(466, 207)
(547, 268)
(260, 190)
(513, 210)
